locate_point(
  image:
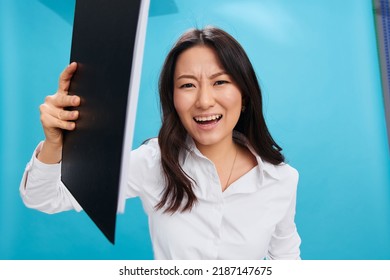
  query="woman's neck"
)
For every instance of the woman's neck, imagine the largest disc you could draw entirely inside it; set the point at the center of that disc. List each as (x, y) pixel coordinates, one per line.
(220, 151)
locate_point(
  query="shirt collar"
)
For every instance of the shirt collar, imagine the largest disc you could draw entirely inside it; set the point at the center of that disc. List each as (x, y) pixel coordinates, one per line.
(264, 166)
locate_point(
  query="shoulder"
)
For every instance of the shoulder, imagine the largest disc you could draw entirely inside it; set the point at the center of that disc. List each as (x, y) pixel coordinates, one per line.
(287, 172)
(145, 177)
(150, 147)
(289, 178)
(284, 183)
(284, 176)
(148, 153)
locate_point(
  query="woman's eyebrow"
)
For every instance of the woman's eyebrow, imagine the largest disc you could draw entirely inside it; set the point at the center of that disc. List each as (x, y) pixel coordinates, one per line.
(186, 76)
(212, 76)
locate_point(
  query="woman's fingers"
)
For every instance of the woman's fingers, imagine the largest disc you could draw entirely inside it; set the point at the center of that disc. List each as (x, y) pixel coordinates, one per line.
(65, 77)
(52, 124)
(65, 115)
(62, 100)
(54, 117)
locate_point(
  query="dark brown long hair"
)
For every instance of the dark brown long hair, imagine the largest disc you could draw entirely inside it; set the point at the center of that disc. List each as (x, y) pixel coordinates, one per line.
(178, 193)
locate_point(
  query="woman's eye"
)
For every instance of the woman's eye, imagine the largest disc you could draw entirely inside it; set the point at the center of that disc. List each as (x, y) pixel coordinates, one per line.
(189, 85)
(217, 83)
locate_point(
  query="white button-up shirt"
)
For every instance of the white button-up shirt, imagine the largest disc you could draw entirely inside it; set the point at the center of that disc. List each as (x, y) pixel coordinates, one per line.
(252, 219)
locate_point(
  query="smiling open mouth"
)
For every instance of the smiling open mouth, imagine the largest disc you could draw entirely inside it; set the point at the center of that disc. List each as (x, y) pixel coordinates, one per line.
(208, 119)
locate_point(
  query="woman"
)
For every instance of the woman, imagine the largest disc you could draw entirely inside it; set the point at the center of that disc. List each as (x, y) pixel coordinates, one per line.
(214, 183)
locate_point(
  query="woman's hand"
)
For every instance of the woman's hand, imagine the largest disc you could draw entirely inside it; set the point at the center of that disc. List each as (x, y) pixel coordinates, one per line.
(54, 118)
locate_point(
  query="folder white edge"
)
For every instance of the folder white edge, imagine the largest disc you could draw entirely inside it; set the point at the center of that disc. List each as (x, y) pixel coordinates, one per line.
(132, 100)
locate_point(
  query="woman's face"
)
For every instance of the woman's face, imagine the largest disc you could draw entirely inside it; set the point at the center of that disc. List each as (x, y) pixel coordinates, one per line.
(206, 98)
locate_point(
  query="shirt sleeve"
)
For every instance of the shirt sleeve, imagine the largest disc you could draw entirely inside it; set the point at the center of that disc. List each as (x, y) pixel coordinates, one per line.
(41, 187)
(145, 170)
(145, 178)
(285, 241)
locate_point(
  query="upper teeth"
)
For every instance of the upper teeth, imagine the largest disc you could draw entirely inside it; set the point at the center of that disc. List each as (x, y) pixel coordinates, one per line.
(208, 118)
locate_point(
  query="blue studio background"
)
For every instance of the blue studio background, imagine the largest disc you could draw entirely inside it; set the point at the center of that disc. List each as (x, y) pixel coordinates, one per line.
(318, 66)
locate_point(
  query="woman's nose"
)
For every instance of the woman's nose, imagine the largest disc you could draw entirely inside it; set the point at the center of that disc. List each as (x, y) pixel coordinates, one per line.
(205, 98)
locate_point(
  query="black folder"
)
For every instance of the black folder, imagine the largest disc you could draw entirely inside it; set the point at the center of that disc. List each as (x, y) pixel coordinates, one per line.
(107, 44)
